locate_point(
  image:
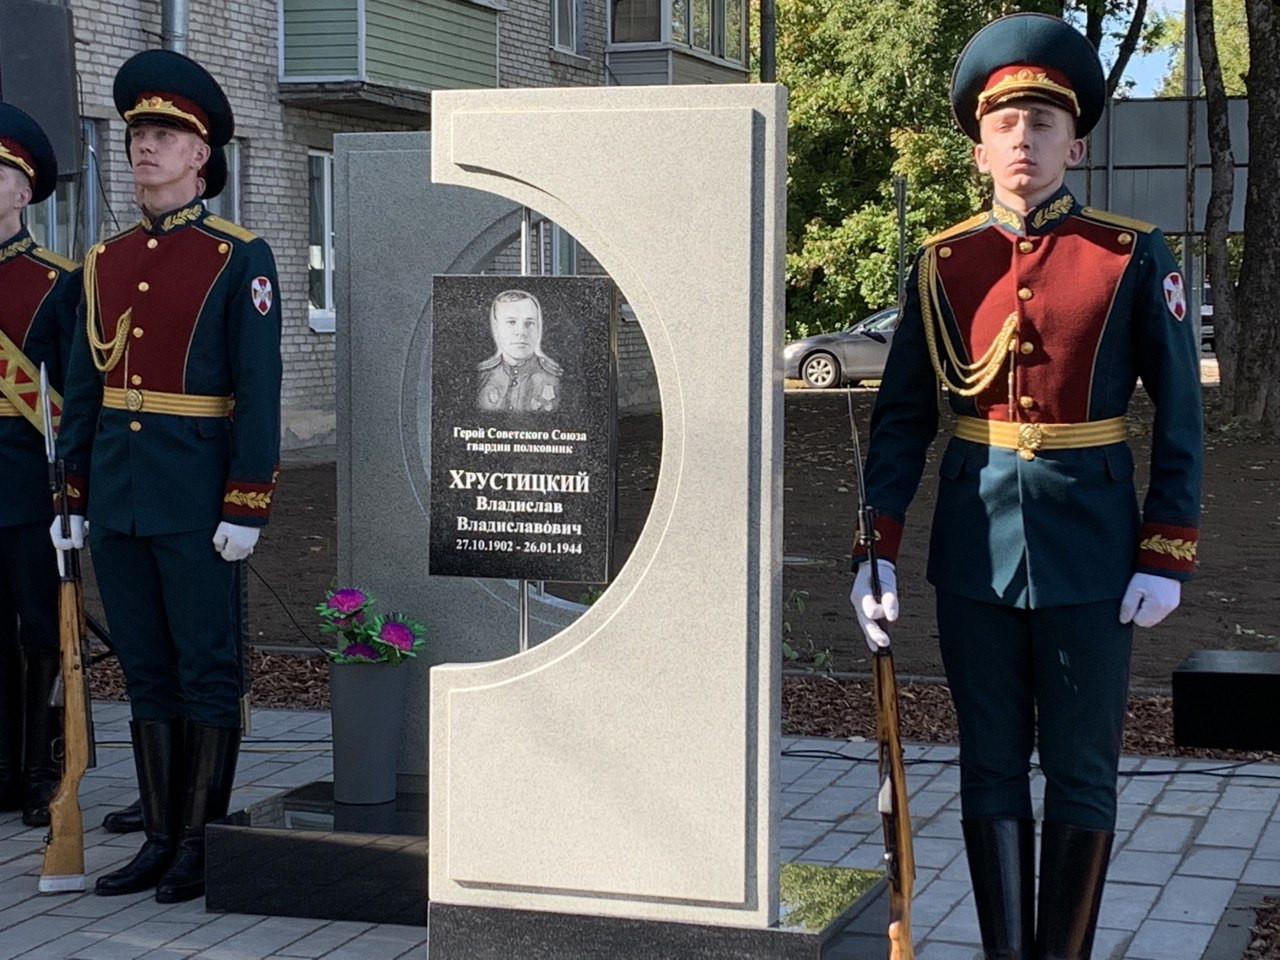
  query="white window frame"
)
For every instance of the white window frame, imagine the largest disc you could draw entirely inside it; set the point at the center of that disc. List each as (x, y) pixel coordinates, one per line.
(573, 26)
(563, 245)
(322, 319)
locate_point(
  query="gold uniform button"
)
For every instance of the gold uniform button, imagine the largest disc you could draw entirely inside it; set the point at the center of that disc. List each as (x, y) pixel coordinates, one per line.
(1025, 293)
(1125, 238)
(143, 287)
(53, 274)
(136, 380)
(944, 252)
(1026, 348)
(135, 426)
(223, 247)
(152, 243)
(1026, 246)
(1026, 402)
(137, 331)
(102, 248)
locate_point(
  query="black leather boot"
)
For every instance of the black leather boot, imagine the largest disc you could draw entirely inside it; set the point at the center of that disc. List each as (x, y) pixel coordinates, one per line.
(155, 755)
(1002, 865)
(209, 755)
(125, 820)
(42, 768)
(1073, 870)
(10, 727)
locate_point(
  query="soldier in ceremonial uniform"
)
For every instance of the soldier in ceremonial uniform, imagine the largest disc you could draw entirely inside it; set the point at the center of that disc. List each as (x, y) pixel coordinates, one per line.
(1038, 316)
(171, 440)
(519, 376)
(39, 291)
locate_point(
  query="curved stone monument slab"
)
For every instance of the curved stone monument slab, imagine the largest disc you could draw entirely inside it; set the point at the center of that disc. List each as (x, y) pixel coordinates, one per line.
(627, 765)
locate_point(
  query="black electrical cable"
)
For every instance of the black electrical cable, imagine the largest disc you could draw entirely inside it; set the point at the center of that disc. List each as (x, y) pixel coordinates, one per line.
(283, 606)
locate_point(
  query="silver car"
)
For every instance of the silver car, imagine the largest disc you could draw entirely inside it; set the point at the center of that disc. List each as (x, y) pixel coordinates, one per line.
(834, 359)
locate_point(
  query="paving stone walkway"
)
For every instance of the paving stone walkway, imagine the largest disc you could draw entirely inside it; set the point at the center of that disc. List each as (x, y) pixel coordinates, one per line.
(1187, 839)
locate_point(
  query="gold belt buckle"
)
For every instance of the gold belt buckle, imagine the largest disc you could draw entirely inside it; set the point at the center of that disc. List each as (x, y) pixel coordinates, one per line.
(1030, 439)
(133, 400)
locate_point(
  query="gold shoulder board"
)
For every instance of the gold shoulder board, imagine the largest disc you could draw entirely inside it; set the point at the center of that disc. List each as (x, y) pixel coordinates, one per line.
(230, 229)
(54, 259)
(963, 227)
(1116, 220)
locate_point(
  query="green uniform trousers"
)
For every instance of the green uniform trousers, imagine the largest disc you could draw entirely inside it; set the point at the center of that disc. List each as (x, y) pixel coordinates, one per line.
(1060, 671)
(170, 606)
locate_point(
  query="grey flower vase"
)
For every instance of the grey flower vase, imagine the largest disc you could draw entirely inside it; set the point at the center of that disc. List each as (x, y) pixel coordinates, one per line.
(366, 701)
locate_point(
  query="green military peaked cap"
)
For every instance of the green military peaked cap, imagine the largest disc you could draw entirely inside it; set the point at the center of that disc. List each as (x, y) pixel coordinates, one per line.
(1028, 56)
(24, 146)
(163, 86)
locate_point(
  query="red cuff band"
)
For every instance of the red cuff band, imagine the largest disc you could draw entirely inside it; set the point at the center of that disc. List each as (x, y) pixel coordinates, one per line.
(247, 499)
(1164, 546)
(888, 540)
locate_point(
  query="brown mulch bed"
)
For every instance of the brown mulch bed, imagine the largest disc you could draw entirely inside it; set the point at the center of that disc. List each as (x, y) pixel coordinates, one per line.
(1264, 941)
(842, 708)
(285, 680)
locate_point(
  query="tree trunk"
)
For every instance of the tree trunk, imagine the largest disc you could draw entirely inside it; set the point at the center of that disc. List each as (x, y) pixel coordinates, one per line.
(1217, 218)
(1256, 391)
(1127, 46)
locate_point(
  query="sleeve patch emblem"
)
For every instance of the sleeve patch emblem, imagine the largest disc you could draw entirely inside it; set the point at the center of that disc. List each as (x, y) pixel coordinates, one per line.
(260, 294)
(1175, 297)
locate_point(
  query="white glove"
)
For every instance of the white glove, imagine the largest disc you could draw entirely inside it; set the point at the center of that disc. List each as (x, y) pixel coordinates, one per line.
(235, 542)
(1149, 599)
(864, 604)
(75, 541)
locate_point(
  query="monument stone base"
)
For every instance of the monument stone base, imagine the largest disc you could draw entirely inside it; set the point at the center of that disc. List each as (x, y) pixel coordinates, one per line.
(301, 854)
(1247, 680)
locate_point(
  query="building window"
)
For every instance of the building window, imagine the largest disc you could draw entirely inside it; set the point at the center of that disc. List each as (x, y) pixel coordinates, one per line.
(564, 25)
(680, 21)
(227, 203)
(564, 252)
(700, 25)
(54, 221)
(637, 21)
(733, 24)
(320, 240)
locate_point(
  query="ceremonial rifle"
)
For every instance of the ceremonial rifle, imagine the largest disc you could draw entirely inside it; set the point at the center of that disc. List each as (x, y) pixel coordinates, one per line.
(899, 858)
(63, 870)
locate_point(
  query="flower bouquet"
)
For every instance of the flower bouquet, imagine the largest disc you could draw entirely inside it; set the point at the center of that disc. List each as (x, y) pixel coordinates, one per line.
(366, 692)
(364, 637)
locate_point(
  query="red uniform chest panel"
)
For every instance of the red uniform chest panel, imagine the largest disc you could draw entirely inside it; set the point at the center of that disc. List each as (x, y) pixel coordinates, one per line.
(164, 285)
(1061, 285)
(24, 285)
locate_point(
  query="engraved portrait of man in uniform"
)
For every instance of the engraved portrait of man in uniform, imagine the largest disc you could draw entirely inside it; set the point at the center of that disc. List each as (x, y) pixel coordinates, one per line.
(519, 376)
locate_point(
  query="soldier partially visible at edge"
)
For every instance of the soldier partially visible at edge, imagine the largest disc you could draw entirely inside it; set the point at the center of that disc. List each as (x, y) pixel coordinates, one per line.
(519, 376)
(180, 325)
(39, 291)
(1039, 316)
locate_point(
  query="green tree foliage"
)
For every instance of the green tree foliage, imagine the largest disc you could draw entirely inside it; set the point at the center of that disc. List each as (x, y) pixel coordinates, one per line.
(1165, 33)
(868, 82)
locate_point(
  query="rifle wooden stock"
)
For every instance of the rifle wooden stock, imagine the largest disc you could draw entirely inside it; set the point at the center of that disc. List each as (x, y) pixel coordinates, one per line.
(900, 864)
(63, 869)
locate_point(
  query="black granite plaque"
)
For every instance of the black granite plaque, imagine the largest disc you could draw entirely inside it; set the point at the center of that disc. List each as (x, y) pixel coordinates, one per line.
(522, 427)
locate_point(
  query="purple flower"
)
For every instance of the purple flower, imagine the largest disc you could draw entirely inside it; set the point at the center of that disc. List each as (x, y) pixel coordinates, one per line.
(361, 651)
(347, 601)
(396, 634)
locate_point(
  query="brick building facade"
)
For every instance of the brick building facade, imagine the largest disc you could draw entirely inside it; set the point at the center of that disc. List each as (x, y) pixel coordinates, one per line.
(282, 65)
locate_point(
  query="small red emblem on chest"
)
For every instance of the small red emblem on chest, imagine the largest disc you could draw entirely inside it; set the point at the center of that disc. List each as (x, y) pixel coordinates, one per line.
(260, 293)
(1175, 297)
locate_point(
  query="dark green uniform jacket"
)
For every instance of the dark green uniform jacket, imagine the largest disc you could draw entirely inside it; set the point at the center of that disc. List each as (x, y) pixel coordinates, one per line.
(185, 313)
(39, 291)
(1080, 304)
